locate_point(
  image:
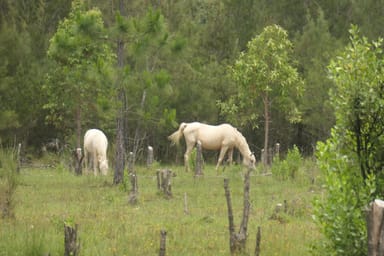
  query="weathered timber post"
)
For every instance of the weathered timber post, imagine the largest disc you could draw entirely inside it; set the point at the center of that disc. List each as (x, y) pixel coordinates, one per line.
(270, 156)
(262, 156)
(72, 247)
(258, 239)
(231, 225)
(237, 241)
(186, 211)
(132, 199)
(242, 236)
(78, 157)
(277, 151)
(150, 157)
(375, 228)
(163, 240)
(164, 182)
(199, 160)
(18, 167)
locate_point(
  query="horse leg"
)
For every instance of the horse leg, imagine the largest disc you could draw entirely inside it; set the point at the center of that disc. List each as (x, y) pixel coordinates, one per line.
(186, 157)
(86, 161)
(221, 156)
(230, 156)
(95, 163)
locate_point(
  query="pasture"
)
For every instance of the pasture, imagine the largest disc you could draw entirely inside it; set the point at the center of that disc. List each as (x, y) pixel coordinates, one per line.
(108, 225)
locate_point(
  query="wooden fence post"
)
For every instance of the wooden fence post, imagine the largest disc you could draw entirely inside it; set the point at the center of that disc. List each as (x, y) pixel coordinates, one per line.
(164, 182)
(186, 211)
(277, 151)
(163, 239)
(258, 239)
(237, 241)
(18, 167)
(375, 228)
(132, 199)
(199, 160)
(150, 157)
(78, 157)
(72, 247)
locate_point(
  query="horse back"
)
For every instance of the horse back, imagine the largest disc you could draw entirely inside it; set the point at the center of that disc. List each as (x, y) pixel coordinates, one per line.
(212, 137)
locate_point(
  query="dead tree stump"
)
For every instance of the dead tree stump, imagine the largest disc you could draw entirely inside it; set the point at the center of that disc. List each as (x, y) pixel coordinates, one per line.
(375, 228)
(199, 160)
(18, 167)
(78, 159)
(277, 151)
(164, 182)
(133, 193)
(72, 247)
(186, 211)
(163, 239)
(237, 241)
(150, 157)
(258, 240)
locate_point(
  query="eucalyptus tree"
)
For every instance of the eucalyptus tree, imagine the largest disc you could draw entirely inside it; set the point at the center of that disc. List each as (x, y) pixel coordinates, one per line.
(265, 72)
(79, 79)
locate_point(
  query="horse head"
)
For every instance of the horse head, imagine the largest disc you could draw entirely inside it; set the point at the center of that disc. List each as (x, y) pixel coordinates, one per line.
(103, 165)
(250, 160)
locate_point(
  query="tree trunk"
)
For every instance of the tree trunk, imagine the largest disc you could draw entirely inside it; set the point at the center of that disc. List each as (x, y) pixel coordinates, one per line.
(266, 128)
(78, 169)
(120, 127)
(138, 135)
(78, 126)
(120, 149)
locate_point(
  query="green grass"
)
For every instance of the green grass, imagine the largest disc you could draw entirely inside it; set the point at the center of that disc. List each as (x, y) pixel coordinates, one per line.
(109, 225)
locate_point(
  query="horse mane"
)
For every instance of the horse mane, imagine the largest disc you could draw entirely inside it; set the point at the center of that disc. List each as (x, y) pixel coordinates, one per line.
(241, 142)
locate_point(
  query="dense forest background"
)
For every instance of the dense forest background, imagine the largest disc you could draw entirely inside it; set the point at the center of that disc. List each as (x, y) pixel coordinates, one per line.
(170, 65)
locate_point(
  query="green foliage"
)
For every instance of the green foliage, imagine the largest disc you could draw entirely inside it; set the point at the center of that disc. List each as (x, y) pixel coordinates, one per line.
(340, 214)
(265, 73)
(80, 76)
(288, 169)
(314, 47)
(351, 159)
(358, 99)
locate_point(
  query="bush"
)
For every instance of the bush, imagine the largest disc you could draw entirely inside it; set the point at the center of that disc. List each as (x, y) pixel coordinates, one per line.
(340, 215)
(288, 168)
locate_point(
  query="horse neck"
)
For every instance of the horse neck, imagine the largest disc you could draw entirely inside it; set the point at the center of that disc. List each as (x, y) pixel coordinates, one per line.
(243, 147)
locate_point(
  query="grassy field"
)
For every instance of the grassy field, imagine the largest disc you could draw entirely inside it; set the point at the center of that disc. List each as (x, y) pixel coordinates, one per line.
(109, 225)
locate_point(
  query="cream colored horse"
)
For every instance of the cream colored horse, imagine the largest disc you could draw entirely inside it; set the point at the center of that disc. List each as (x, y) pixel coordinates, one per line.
(224, 137)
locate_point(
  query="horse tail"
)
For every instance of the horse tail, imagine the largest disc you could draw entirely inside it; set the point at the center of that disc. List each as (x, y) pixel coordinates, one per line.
(175, 137)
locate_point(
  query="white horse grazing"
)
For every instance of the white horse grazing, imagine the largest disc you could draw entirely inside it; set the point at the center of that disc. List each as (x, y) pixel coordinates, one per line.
(95, 148)
(224, 137)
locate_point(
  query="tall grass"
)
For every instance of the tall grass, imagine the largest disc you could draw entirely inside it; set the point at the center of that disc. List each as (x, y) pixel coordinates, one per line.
(109, 225)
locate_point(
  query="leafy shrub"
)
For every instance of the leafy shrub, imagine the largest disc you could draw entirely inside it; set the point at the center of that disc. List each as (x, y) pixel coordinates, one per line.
(340, 214)
(289, 167)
